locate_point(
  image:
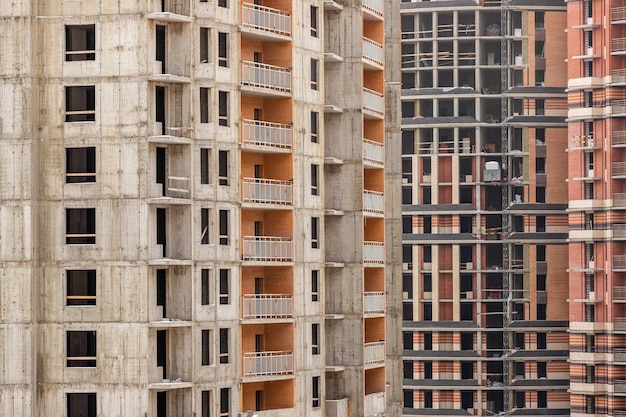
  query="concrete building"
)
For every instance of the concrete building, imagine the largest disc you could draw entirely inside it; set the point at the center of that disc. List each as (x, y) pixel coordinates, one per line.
(199, 214)
(484, 170)
(597, 292)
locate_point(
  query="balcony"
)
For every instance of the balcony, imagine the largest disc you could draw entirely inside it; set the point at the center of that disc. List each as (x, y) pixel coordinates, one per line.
(374, 302)
(373, 202)
(618, 46)
(618, 15)
(374, 102)
(268, 363)
(619, 386)
(267, 306)
(373, 252)
(266, 191)
(271, 78)
(266, 19)
(619, 263)
(618, 169)
(374, 404)
(618, 77)
(171, 11)
(619, 231)
(260, 133)
(373, 9)
(374, 353)
(619, 294)
(619, 354)
(176, 135)
(373, 152)
(267, 248)
(618, 139)
(373, 53)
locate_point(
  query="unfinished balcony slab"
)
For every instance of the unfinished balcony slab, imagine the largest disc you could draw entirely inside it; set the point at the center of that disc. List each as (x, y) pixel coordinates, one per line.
(169, 17)
(168, 384)
(330, 160)
(332, 6)
(330, 57)
(333, 212)
(335, 368)
(332, 109)
(169, 79)
(169, 262)
(169, 201)
(169, 323)
(331, 264)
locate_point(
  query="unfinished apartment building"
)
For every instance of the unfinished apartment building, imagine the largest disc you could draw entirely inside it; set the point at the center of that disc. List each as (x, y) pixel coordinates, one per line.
(198, 213)
(484, 170)
(597, 199)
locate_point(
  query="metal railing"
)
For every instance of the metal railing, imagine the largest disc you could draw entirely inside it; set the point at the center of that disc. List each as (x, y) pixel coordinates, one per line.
(373, 51)
(619, 293)
(257, 132)
(261, 190)
(619, 231)
(618, 169)
(374, 404)
(619, 354)
(618, 45)
(267, 248)
(618, 106)
(268, 363)
(618, 14)
(266, 18)
(373, 202)
(267, 306)
(374, 302)
(618, 138)
(619, 323)
(373, 151)
(375, 6)
(618, 76)
(619, 413)
(374, 353)
(373, 101)
(257, 74)
(619, 262)
(619, 385)
(374, 252)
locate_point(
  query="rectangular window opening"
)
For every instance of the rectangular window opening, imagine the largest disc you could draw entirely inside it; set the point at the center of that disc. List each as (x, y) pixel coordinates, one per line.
(206, 347)
(80, 42)
(81, 287)
(315, 338)
(223, 167)
(205, 296)
(204, 104)
(223, 108)
(80, 226)
(80, 103)
(222, 49)
(80, 165)
(205, 41)
(204, 227)
(81, 404)
(224, 357)
(205, 160)
(223, 226)
(81, 349)
(224, 285)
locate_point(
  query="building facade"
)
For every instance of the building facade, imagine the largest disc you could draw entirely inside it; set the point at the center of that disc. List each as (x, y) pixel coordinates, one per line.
(484, 168)
(198, 214)
(596, 39)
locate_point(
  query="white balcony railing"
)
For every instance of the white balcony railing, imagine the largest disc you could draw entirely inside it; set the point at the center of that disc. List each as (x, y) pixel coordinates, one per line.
(619, 354)
(374, 404)
(266, 18)
(618, 138)
(373, 51)
(618, 76)
(257, 132)
(373, 101)
(268, 363)
(618, 14)
(618, 45)
(619, 293)
(618, 169)
(374, 6)
(619, 231)
(267, 306)
(619, 385)
(267, 248)
(257, 74)
(374, 252)
(374, 302)
(619, 262)
(618, 106)
(374, 353)
(373, 151)
(261, 190)
(373, 202)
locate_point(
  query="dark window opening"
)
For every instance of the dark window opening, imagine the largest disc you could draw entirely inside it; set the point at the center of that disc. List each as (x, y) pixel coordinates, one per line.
(81, 287)
(205, 293)
(80, 165)
(204, 104)
(224, 286)
(223, 227)
(223, 167)
(205, 158)
(80, 104)
(80, 227)
(81, 404)
(204, 45)
(224, 356)
(206, 347)
(223, 108)
(222, 49)
(80, 43)
(81, 349)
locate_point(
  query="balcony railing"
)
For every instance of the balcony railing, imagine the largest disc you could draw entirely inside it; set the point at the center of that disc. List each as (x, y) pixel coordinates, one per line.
(374, 404)
(267, 306)
(619, 323)
(373, 101)
(619, 293)
(618, 45)
(618, 138)
(257, 132)
(618, 14)
(374, 6)
(374, 353)
(373, 151)
(266, 18)
(619, 385)
(374, 252)
(373, 51)
(261, 190)
(267, 248)
(268, 363)
(618, 76)
(618, 106)
(619, 354)
(257, 74)
(373, 202)
(374, 302)
(618, 169)
(619, 262)
(619, 231)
